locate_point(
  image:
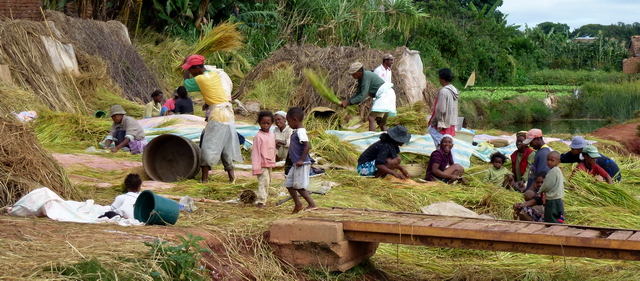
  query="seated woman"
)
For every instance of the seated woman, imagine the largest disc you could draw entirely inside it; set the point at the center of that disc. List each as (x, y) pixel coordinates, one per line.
(521, 159)
(125, 132)
(441, 166)
(381, 158)
(123, 205)
(184, 104)
(590, 154)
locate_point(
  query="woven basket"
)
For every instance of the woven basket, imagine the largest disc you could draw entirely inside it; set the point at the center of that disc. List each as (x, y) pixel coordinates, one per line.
(465, 136)
(415, 170)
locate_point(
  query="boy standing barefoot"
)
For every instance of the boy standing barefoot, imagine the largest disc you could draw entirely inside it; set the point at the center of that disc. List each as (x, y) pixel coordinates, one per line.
(553, 187)
(297, 180)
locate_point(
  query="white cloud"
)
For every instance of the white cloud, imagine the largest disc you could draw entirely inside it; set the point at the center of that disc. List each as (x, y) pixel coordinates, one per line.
(575, 13)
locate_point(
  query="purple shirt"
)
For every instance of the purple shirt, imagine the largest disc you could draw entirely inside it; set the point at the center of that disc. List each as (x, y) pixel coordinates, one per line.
(438, 157)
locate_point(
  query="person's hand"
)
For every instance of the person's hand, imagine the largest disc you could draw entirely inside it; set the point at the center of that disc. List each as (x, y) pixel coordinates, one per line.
(105, 148)
(345, 103)
(299, 163)
(114, 149)
(400, 176)
(406, 174)
(517, 206)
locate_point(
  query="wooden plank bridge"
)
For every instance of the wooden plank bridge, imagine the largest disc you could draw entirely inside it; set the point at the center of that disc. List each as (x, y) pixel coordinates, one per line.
(340, 238)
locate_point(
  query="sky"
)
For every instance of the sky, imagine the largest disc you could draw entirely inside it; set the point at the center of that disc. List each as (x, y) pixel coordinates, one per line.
(575, 13)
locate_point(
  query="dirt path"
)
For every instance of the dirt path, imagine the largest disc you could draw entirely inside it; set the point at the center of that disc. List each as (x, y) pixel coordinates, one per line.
(625, 134)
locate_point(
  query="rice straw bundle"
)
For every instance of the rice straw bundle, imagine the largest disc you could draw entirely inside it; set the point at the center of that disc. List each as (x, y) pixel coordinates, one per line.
(320, 85)
(223, 37)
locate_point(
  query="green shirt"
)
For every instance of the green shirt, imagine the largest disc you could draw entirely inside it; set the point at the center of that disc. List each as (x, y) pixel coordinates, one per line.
(368, 84)
(496, 176)
(553, 184)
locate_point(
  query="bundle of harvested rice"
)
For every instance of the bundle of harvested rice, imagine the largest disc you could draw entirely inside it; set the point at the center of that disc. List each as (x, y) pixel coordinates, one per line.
(25, 165)
(223, 37)
(320, 85)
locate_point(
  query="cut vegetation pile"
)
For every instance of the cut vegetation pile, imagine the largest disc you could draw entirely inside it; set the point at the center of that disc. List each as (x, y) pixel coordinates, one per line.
(332, 63)
(25, 165)
(105, 57)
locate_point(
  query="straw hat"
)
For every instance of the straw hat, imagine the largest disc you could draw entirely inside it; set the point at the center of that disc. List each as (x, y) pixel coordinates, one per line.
(354, 68)
(116, 109)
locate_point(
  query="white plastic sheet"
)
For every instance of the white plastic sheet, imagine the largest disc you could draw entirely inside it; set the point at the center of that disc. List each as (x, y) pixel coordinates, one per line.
(62, 55)
(410, 72)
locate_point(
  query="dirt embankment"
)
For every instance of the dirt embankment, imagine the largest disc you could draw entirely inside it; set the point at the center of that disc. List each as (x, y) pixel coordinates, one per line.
(625, 134)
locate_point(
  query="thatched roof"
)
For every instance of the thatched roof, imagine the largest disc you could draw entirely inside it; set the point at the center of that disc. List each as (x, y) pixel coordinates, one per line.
(634, 46)
(335, 61)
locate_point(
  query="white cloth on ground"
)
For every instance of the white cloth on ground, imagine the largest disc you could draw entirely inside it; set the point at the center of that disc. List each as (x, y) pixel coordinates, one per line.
(44, 202)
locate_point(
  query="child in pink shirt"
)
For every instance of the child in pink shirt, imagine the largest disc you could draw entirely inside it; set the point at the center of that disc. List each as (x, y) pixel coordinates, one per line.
(263, 155)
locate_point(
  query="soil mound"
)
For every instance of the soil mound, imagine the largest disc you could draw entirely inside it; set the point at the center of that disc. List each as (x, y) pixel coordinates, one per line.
(625, 134)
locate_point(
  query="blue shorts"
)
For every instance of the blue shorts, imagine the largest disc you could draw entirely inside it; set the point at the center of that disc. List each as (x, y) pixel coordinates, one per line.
(367, 168)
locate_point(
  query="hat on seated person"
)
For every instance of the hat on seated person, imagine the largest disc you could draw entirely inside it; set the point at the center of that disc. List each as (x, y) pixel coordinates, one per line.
(578, 142)
(532, 134)
(591, 150)
(116, 109)
(399, 134)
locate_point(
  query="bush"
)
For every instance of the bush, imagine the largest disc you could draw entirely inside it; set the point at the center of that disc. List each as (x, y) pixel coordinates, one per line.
(604, 100)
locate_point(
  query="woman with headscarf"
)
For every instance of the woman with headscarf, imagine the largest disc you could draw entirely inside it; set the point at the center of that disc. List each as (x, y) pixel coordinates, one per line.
(441, 165)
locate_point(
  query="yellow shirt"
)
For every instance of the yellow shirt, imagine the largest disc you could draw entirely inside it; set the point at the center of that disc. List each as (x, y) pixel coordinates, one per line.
(210, 85)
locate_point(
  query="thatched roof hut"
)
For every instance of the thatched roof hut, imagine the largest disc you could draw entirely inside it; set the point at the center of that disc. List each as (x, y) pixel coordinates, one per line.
(410, 83)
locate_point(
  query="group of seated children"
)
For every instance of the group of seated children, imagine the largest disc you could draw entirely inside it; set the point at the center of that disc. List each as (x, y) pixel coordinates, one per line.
(265, 152)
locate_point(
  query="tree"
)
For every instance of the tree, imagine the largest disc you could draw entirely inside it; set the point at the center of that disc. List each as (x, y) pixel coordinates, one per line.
(547, 27)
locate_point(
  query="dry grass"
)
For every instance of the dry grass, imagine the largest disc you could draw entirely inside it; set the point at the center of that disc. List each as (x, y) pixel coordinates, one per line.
(331, 60)
(25, 165)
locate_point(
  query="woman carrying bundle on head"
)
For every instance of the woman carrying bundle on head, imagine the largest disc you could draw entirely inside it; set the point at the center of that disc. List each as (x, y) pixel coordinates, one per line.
(381, 158)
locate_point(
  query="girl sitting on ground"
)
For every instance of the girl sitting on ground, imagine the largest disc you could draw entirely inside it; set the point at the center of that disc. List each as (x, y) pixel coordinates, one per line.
(381, 158)
(123, 205)
(498, 174)
(441, 165)
(590, 154)
(532, 209)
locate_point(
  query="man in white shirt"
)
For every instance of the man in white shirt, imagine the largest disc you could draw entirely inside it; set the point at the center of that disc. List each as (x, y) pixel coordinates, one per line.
(384, 70)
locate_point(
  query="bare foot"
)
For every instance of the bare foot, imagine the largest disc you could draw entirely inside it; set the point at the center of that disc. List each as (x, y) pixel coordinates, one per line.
(311, 208)
(297, 209)
(260, 206)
